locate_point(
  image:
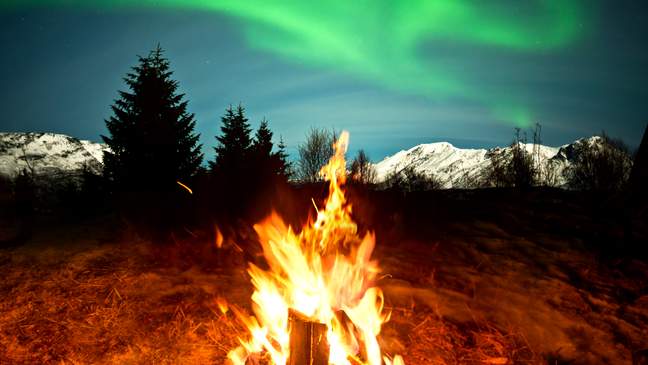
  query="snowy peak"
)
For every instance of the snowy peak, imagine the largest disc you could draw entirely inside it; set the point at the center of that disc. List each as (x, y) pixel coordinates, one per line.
(441, 158)
(457, 167)
(48, 154)
(51, 155)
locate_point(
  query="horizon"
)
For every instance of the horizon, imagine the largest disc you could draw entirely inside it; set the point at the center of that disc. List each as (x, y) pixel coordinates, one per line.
(293, 157)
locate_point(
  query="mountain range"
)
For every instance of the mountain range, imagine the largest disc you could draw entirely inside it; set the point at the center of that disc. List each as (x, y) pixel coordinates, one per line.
(50, 154)
(460, 168)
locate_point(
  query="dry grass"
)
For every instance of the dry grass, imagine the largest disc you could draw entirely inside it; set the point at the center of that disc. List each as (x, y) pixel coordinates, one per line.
(136, 303)
(425, 338)
(110, 304)
(118, 304)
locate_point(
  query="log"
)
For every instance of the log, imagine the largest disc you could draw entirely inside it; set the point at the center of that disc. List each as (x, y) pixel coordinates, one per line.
(308, 343)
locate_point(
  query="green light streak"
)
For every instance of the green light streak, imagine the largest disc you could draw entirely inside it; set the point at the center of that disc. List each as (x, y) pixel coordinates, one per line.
(379, 40)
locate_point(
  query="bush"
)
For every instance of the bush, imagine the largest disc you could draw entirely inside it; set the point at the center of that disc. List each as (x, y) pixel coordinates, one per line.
(314, 153)
(513, 167)
(362, 171)
(549, 175)
(408, 180)
(601, 164)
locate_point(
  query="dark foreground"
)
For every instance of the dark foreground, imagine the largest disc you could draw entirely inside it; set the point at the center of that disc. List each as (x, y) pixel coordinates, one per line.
(482, 277)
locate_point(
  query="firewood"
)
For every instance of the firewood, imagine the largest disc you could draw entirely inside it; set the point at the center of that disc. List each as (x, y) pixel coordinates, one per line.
(308, 343)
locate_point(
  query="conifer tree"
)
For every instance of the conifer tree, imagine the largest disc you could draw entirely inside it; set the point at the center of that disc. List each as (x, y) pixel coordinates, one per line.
(263, 140)
(234, 144)
(284, 167)
(263, 159)
(269, 164)
(151, 134)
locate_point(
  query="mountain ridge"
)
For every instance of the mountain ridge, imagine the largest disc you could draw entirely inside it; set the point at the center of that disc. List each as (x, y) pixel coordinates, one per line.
(456, 167)
(53, 154)
(47, 154)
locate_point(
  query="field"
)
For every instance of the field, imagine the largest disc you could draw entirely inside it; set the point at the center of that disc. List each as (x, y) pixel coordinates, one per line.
(471, 277)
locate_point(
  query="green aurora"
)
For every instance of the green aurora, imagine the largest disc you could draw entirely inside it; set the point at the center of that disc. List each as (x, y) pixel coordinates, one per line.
(380, 41)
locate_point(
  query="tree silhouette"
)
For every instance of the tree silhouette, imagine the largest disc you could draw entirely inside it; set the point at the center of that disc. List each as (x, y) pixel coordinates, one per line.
(268, 164)
(314, 153)
(234, 147)
(246, 170)
(362, 171)
(601, 164)
(513, 167)
(151, 134)
(284, 167)
(262, 144)
(521, 169)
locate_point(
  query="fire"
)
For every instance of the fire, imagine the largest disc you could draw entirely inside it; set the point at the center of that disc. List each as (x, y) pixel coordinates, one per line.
(326, 274)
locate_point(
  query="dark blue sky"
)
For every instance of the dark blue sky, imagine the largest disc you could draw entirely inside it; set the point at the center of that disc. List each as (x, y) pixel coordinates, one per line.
(60, 69)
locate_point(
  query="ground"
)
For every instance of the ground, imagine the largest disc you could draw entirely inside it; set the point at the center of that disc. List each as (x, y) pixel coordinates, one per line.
(470, 278)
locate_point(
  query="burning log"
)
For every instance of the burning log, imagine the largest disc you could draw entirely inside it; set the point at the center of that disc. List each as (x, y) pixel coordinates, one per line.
(308, 343)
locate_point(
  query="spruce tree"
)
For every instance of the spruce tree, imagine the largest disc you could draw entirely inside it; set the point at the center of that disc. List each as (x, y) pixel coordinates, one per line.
(263, 140)
(151, 134)
(268, 164)
(234, 144)
(283, 166)
(262, 159)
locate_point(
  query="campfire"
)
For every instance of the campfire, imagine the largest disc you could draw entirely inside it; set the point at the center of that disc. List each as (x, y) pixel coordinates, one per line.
(316, 303)
(462, 292)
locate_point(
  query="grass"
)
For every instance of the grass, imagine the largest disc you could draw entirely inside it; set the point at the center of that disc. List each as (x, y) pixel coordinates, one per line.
(134, 303)
(461, 291)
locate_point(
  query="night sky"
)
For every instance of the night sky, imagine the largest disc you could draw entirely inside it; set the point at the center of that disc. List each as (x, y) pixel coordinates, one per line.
(393, 73)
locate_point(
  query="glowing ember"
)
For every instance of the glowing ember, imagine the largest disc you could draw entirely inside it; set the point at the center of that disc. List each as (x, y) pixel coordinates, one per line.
(325, 273)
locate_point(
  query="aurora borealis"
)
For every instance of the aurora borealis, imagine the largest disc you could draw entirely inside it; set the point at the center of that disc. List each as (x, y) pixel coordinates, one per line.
(493, 57)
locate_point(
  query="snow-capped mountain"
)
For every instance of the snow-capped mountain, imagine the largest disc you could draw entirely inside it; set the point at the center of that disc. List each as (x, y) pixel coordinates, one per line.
(48, 154)
(54, 156)
(460, 168)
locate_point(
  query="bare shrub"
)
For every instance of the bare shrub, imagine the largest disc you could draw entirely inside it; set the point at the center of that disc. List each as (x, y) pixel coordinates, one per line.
(521, 167)
(408, 180)
(513, 167)
(362, 171)
(601, 164)
(471, 180)
(497, 173)
(314, 153)
(549, 175)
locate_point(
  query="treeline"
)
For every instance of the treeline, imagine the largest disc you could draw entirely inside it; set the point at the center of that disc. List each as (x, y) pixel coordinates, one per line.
(156, 177)
(600, 164)
(154, 170)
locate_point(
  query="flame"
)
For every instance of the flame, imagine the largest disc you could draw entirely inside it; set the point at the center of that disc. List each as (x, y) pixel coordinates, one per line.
(324, 272)
(218, 237)
(222, 305)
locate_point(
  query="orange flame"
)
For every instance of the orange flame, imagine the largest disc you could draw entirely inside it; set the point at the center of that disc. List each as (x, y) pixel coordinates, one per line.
(321, 272)
(218, 237)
